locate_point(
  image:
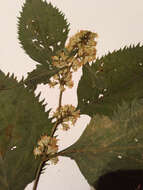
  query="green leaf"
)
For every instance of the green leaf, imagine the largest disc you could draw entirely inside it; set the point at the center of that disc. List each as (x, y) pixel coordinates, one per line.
(3, 177)
(42, 30)
(41, 74)
(109, 145)
(107, 82)
(22, 120)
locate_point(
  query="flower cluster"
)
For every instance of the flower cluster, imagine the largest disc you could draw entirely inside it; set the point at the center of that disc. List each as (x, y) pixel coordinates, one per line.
(66, 114)
(64, 78)
(47, 146)
(61, 60)
(80, 49)
(84, 44)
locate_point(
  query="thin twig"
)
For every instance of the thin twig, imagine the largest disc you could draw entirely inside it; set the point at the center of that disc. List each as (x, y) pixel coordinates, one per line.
(54, 129)
(60, 98)
(42, 163)
(38, 173)
(58, 122)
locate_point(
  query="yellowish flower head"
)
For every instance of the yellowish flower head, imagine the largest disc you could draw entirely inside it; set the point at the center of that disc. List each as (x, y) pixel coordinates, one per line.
(46, 146)
(37, 151)
(80, 50)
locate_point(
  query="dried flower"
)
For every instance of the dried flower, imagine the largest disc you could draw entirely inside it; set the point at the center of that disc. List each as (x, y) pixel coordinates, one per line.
(37, 151)
(65, 126)
(70, 84)
(45, 140)
(46, 146)
(67, 113)
(56, 77)
(80, 49)
(52, 84)
(85, 45)
(54, 160)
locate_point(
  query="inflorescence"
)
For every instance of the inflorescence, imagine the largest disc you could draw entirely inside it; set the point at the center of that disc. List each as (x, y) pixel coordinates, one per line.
(66, 114)
(47, 146)
(80, 49)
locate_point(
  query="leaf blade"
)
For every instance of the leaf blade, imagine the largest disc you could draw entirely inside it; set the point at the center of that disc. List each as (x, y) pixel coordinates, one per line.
(109, 145)
(41, 26)
(23, 120)
(41, 74)
(110, 80)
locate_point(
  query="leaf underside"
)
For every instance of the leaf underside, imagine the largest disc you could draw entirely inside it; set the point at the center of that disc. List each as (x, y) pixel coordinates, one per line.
(22, 120)
(107, 82)
(43, 31)
(109, 145)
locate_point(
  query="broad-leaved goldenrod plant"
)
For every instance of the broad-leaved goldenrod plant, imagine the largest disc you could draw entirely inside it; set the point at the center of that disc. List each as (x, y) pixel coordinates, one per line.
(110, 91)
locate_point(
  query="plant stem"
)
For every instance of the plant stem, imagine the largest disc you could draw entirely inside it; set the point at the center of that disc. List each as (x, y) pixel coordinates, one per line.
(42, 163)
(57, 123)
(60, 98)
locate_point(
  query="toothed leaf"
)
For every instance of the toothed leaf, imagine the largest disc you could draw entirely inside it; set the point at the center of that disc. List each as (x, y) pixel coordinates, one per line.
(41, 74)
(22, 120)
(42, 30)
(109, 145)
(107, 82)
